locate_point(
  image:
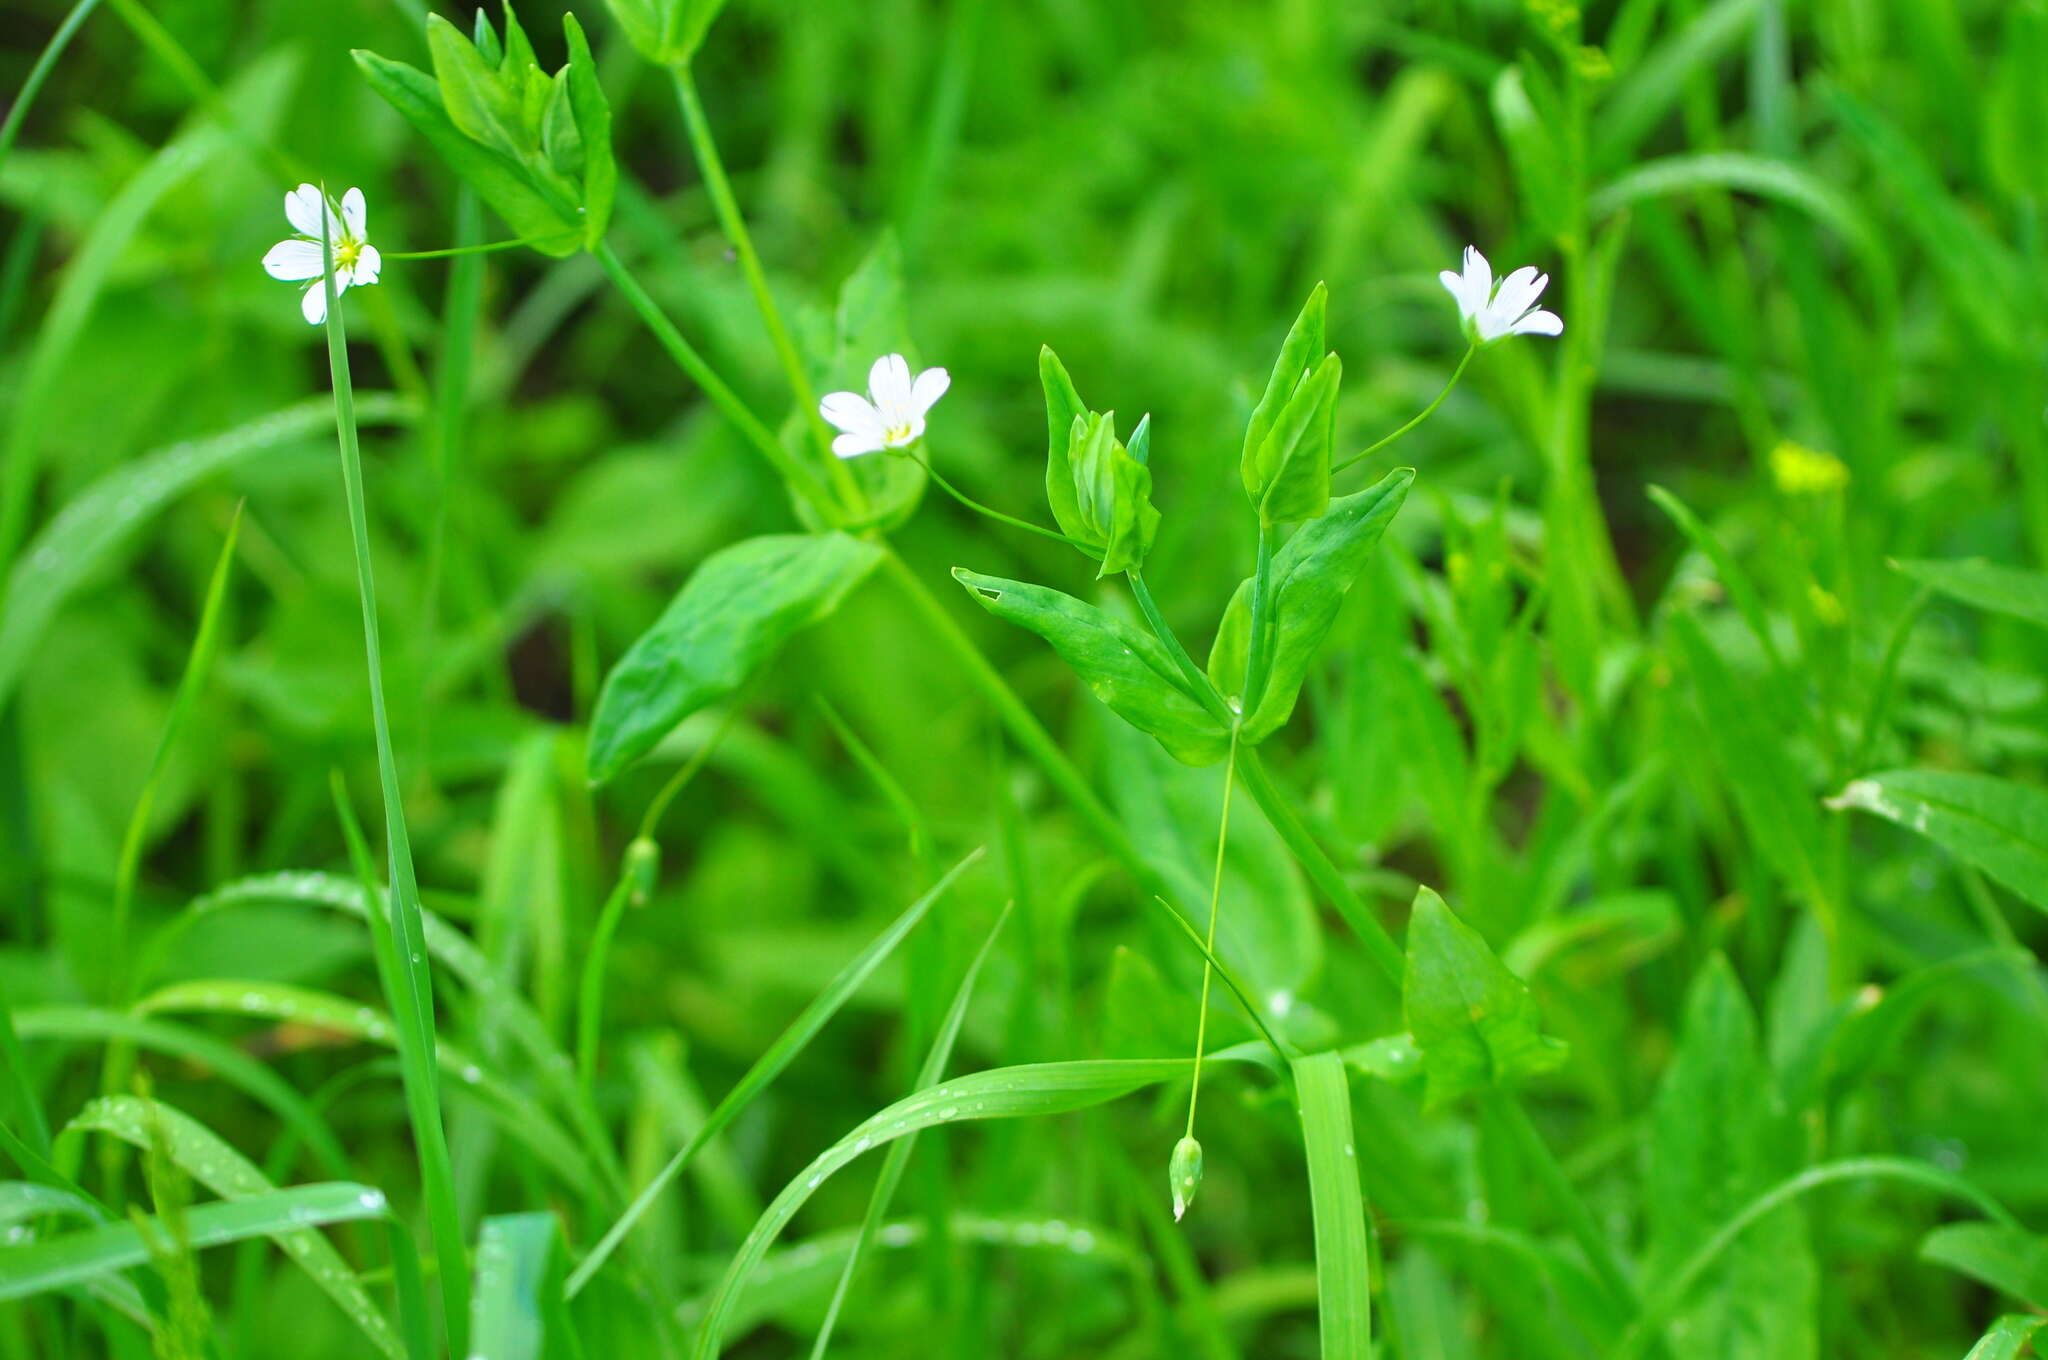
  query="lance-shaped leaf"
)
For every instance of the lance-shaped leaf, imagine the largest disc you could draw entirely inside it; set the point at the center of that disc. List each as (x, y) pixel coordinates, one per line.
(1063, 406)
(1305, 343)
(593, 117)
(1126, 667)
(1288, 474)
(1112, 492)
(1312, 572)
(1473, 1020)
(667, 32)
(2004, 590)
(1992, 824)
(736, 609)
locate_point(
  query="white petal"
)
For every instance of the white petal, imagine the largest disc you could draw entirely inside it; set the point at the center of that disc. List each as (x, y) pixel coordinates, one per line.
(1454, 284)
(889, 384)
(314, 304)
(1540, 323)
(368, 265)
(1518, 292)
(302, 210)
(851, 412)
(1478, 275)
(851, 445)
(1490, 324)
(353, 214)
(293, 260)
(929, 387)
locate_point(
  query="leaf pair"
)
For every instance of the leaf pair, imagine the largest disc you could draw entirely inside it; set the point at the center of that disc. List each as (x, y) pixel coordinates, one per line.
(537, 148)
(666, 32)
(1100, 489)
(1286, 460)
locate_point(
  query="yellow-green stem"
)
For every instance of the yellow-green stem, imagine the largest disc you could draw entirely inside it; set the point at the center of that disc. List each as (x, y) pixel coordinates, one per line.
(1209, 945)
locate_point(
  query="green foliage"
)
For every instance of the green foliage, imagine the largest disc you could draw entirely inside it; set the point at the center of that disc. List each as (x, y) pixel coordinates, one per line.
(736, 611)
(1473, 1021)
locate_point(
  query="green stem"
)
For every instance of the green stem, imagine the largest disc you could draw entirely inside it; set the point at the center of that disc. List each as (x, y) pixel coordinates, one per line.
(1198, 682)
(978, 508)
(485, 249)
(40, 72)
(1255, 667)
(414, 1002)
(1322, 871)
(1563, 1196)
(730, 220)
(800, 478)
(1209, 945)
(1424, 414)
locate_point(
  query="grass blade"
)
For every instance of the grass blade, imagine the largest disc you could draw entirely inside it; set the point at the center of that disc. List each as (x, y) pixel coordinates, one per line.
(1343, 1242)
(206, 1158)
(78, 1258)
(899, 1152)
(518, 1288)
(768, 1066)
(410, 982)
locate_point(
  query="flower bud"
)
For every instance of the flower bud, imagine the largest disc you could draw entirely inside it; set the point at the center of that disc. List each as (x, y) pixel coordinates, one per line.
(1184, 1175)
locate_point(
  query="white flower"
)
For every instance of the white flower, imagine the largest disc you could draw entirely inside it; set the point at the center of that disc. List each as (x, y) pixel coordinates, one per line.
(1489, 312)
(891, 416)
(356, 261)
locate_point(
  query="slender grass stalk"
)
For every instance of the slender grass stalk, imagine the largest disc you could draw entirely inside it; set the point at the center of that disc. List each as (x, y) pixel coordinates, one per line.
(1231, 980)
(801, 479)
(410, 992)
(934, 1068)
(25, 97)
(1209, 942)
(734, 224)
(1424, 414)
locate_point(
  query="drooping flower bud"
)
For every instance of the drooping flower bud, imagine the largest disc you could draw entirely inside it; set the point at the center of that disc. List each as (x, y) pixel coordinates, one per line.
(1184, 1174)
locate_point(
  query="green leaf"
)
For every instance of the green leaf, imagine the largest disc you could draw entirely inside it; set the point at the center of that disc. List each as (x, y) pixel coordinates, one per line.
(206, 1158)
(1343, 1241)
(1992, 824)
(76, 1258)
(477, 98)
(666, 32)
(1719, 1136)
(538, 213)
(2008, 1259)
(1126, 667)
(736, 609)
(594, 125)
(2004, 590)
(516, 1305)
(1474, 1022)
(2008, 1337)
(1304, 345)
(1063, 407)
(1288, 475)
(1033, 1090)
(1112, 495)
(1312, 573)
(1540, 177)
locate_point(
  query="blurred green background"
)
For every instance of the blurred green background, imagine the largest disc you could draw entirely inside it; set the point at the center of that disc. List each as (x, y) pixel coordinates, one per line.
(1798, 248)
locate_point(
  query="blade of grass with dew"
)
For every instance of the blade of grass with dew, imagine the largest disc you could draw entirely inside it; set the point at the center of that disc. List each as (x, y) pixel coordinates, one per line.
(1343, 1241)
(519, 1310)
(77, 1258)
(410, 982)
(770, 1065)
(207, 1158)
(934, 1068)
(513, 1110)
(1001, 1093)
(203, 1051)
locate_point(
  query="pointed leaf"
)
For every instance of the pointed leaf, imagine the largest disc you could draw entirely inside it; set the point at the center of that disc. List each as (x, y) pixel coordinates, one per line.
(1991, 824)
(1473, 1020)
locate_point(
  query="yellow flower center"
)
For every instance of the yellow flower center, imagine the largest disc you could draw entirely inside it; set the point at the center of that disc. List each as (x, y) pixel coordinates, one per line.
(346, 252)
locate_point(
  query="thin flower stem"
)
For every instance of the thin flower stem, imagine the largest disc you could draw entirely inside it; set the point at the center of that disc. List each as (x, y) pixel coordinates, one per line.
(1209, 945)
(978, 508)
(1230, 979)
(705, 147)
(477, 250)
(1420, 416)
(1198, 683)
(801, 479)
(411, 985)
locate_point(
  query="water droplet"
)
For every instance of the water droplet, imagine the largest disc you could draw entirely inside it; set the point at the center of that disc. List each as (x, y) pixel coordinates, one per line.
(1081, 1241)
